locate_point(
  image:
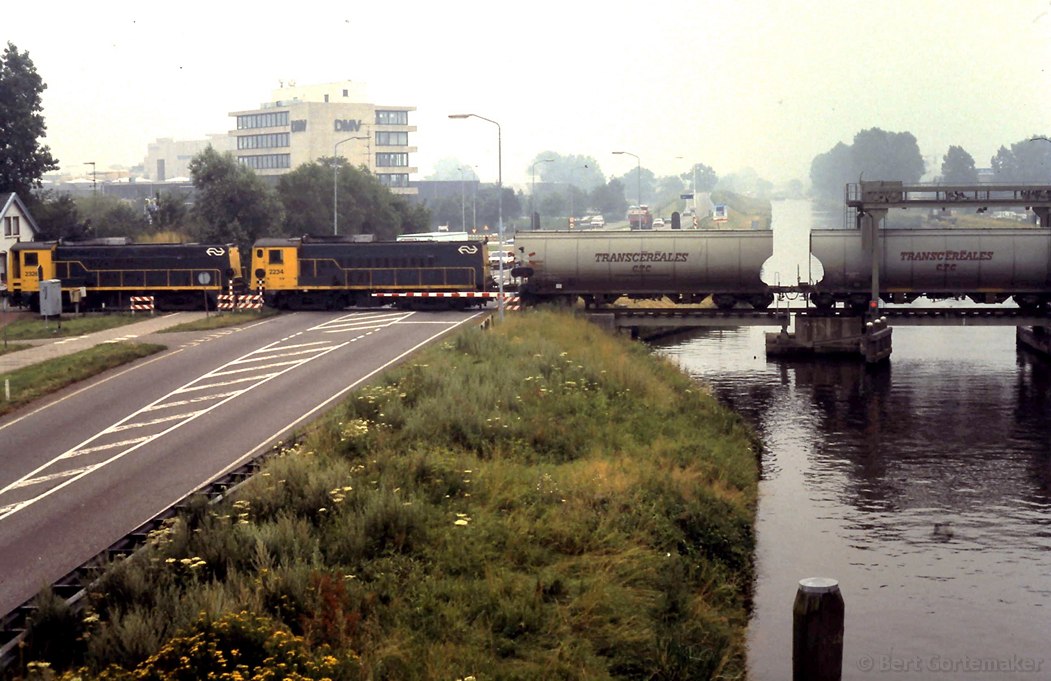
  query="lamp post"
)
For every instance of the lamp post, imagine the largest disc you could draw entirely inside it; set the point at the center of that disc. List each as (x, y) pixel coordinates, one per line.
(572, 193)
(693, 187)
(335, 182)
(638, 184)
(499, 199)
(463, 203)
(532, 191)
(93, 183)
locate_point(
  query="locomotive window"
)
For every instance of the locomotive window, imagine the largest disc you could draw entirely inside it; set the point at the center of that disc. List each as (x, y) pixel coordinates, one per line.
(259, 253)
(277, 257)
(31, 258)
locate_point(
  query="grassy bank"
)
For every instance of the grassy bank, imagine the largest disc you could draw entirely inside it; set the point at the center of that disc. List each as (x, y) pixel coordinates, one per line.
(38, 380)
(29, 327)
(541, 500)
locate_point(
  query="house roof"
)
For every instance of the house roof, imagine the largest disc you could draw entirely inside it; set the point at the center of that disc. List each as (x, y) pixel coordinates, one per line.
(12, 199)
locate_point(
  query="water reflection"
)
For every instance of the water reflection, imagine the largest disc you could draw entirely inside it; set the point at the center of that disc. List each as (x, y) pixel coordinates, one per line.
(924, 487)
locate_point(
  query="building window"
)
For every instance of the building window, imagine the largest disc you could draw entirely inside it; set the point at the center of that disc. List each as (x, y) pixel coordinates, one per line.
(346, 93)
(392, 139)
(277, 139)
(12, 226)
(393, 179)
(398, 160)
(266, 161)
(272, 119)
(392, 117)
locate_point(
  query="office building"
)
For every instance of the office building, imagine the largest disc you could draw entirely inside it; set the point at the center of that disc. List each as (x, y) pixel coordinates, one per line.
(301, 124)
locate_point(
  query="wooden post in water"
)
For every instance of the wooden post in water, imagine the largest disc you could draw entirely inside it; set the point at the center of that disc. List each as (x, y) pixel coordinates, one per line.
(817, 631)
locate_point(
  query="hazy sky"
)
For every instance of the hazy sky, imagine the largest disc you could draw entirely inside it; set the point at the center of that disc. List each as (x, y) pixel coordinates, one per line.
(734, 84)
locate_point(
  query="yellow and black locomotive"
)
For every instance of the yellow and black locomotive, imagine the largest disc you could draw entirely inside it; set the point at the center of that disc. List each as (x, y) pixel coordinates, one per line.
(110, 272)
(334, 272)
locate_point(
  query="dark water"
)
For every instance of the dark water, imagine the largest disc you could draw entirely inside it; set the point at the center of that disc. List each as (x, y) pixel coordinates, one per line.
(861, 465)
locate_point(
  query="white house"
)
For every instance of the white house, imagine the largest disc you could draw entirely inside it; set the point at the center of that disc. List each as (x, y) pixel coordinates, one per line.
(18, 225)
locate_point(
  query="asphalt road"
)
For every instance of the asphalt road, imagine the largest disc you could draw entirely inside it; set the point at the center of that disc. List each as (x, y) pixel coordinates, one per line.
(93, 463)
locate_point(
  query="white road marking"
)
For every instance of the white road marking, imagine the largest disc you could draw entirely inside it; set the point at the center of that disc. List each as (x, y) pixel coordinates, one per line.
(126, 447)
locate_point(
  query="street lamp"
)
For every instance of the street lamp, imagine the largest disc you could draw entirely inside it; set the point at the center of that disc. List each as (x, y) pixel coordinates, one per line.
(532, 191)
(335, 182)
(638, 184)
(693, 187)
(572, 193)
(463, 203)
(93, 184)
(499, 198)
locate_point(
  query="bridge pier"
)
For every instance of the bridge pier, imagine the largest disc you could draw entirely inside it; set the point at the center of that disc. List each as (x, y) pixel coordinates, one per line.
(846, 336)
(1035, 338)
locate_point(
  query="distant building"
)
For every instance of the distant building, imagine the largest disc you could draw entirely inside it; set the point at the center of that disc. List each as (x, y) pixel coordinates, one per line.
(18, 225)
(168, 159)
(301, 124)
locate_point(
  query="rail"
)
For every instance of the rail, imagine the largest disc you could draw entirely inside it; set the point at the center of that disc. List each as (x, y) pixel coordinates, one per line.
(782, 316)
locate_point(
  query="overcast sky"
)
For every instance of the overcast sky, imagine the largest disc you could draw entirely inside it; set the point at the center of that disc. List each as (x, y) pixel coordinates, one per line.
(766, 84)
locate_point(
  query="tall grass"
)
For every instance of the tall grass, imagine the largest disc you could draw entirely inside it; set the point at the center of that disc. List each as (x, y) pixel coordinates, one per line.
(538, 501)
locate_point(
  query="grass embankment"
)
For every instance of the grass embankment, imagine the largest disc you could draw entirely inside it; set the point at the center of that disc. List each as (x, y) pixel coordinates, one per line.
(36, 381)
(68, 326)
(541, 500)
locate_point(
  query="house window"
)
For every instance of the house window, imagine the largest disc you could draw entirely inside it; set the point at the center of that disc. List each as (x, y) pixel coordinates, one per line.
(12, 226)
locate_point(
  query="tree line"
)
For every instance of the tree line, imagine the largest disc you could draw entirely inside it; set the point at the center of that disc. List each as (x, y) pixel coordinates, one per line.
(231, 203)
(876, 154)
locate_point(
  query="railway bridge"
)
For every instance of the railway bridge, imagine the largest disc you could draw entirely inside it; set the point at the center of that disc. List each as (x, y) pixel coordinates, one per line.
(868, 332)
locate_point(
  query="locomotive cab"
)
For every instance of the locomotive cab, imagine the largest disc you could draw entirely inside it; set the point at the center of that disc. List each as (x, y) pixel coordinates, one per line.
(275, 266)
(29, 263)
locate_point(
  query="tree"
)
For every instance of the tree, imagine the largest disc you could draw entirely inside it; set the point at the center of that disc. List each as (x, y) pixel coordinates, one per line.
(23, 161)
(233, 203)
(831, 171)
(168, 211)
(634, 187)
(1028, 160)
(570, 170)
(57, 217)
(704, 175)
(306, 194)
(609, 199)
(449, 169)
(881, 155)
(106, 216)
(958, 167)
(365, 205)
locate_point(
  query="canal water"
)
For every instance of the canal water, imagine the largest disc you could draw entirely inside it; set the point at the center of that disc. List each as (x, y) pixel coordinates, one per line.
(924, 487)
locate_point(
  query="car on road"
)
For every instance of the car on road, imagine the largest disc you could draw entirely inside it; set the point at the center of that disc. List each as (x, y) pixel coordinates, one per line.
(598, 222)
(658, 223)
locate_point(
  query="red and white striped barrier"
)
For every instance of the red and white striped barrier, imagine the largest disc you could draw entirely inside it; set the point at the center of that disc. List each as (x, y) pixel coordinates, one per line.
(230, 302)
(250, 302)
(142, 303)
(511, 301)
(485, 294)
